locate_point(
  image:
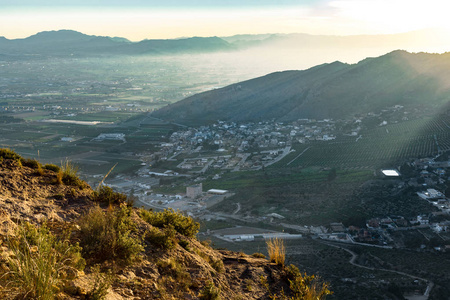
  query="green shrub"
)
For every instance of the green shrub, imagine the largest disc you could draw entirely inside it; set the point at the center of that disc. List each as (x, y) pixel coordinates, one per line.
(108, 235)
(105, 194)
(258, 255)
(40, 262)
(210, 292)
(165, 238)
(52, 167)
(182, 224)
(9, 154)
(101, 284)
(31, 163)
(304, 286)
(172, 268)
(217, 265)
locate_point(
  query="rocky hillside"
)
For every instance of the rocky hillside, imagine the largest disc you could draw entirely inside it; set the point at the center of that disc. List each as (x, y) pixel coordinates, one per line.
(59, 239)
(333, 90)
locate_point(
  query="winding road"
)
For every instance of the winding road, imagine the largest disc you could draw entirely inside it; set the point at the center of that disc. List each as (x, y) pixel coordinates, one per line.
(355, 256)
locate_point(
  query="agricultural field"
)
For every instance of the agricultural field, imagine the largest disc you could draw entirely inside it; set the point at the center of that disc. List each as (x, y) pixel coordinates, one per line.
(93, 156)
(374, 148)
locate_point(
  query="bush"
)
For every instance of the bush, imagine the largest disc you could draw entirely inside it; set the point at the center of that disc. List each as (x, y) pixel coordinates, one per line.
(105, 194)
(31, 163)
(307, 287)
(182, 224)
(40, 261)
(165, 238)
(210, 292)
(277, 250)
(258, 255)
(108, 235)
(217, 265)
(9, 154)
(52, 167)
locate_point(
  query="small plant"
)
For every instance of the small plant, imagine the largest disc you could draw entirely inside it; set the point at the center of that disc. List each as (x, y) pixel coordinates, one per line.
(70, 175)
(258, 255)
(105, 194)
(304, 286)
(217, 265)
(40, 262)
(52, 167)
(249, 285)
(31, 163)
(102, 283)
(210, 292)
(108, 235)
(182, 224)
(276, 250)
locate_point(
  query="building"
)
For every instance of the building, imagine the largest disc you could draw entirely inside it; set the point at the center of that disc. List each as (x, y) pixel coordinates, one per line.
(194, 191)
(217, 192)
(390, 173)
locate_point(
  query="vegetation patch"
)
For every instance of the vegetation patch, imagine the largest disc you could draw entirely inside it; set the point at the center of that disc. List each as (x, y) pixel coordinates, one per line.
(165, 238)
(277, 251)
(105, 194)
(210, 292)
(182, 224)
(40, 263)
(109, 235)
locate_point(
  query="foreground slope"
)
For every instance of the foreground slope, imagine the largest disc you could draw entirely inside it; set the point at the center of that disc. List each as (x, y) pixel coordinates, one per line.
(56, 242)
(333, 90)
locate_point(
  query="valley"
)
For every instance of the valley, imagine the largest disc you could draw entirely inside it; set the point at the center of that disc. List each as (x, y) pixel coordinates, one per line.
(311, 176)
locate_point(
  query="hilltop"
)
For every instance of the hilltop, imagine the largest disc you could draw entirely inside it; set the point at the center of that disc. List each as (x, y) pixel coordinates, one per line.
(60, 239)
(335, 90)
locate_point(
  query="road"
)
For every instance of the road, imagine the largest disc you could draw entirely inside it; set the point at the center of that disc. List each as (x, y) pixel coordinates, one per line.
(297, 156)
(355, 256)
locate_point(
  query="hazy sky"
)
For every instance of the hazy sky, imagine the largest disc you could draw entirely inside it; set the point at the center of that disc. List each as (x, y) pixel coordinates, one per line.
(141, 19)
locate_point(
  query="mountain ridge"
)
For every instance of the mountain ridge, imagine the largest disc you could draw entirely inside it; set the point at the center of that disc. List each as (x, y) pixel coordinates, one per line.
(335, 90)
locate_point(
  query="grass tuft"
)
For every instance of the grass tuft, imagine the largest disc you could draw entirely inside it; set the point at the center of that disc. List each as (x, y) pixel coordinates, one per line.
(277, 251)
(40, 262)
(69, 175)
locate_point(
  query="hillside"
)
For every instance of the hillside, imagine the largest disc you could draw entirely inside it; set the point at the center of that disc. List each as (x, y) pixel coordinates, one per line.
(60, 239)
(334, 90)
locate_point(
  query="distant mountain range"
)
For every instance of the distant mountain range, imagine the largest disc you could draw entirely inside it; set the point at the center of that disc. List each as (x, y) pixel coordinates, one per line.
(69, 42)
(334, 90)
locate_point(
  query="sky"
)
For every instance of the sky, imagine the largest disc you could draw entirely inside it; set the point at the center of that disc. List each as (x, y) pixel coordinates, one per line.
(151, 19)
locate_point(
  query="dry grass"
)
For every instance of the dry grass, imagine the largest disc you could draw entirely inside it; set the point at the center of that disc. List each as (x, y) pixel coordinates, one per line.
(277, 251)
(40, 262)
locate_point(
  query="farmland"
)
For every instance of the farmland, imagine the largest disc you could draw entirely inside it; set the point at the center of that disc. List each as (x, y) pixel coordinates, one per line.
(376, 147)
